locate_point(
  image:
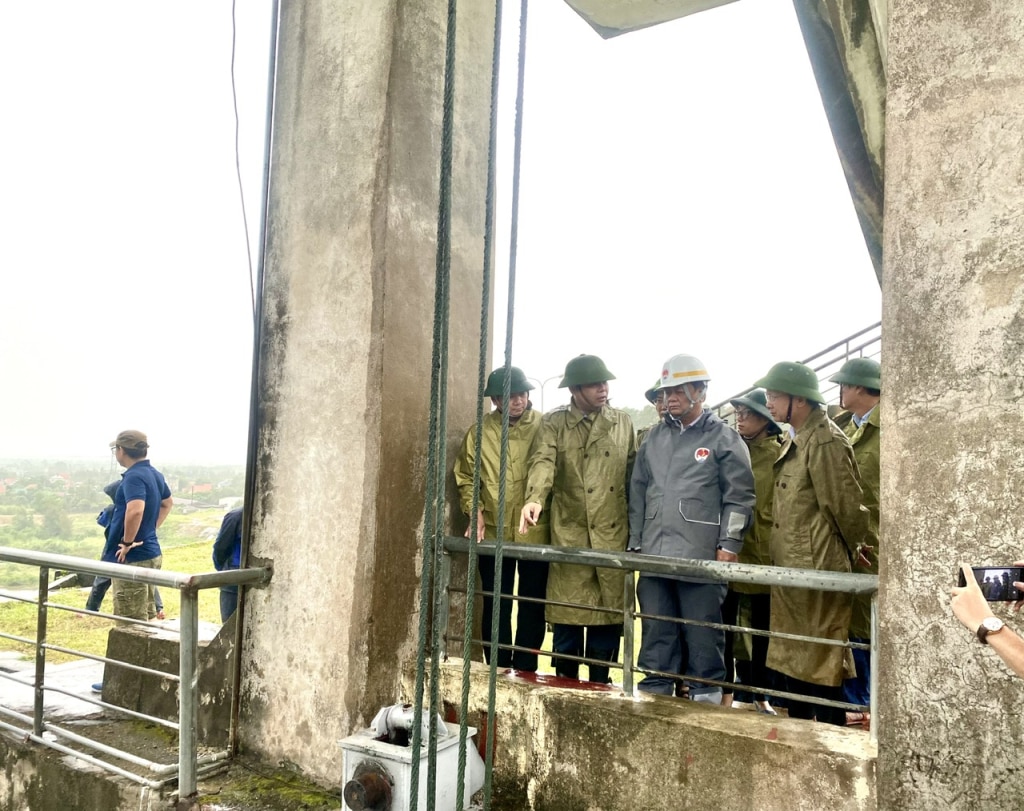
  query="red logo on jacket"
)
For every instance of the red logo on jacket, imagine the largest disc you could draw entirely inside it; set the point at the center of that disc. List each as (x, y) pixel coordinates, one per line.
(701, 454)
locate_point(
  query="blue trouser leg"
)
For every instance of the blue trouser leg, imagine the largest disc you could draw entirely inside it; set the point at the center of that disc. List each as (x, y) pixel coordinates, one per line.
(100, 585)
(858, 689)
(228, 601)
(530, 627)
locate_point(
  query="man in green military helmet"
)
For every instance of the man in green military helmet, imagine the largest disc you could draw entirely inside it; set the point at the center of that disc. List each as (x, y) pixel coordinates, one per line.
(582, 458)
(749, 600)
(860, 392)
(818, 523)
(653, 396)
(523, 423)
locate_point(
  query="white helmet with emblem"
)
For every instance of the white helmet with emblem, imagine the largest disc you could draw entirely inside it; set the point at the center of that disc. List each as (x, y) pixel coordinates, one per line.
(681, 369)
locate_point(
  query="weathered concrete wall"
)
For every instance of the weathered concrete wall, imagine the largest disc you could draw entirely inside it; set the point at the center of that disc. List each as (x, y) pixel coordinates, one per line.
(152, 695)
(344, 381)
(38, 779)
(951, 730)
(570, 750)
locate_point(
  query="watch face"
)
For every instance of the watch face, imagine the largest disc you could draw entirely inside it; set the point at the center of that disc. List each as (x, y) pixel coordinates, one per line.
(992, 624)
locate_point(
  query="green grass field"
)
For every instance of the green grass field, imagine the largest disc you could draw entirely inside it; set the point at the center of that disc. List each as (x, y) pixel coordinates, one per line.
(186, 540)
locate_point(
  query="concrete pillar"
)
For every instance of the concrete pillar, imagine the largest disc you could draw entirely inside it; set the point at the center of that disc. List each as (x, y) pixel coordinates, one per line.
(345, 357)
(953, 348)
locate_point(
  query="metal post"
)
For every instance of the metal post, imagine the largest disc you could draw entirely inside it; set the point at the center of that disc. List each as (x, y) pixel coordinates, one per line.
(628, 620)
(188, 718)
(37, 713)
(873, 681)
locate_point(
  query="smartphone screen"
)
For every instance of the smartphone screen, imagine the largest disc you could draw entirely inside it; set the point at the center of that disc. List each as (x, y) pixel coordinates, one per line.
(997, 582)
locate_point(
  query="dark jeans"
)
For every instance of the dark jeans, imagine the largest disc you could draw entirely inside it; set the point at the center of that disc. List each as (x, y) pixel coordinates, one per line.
(602, 643)
(533, 580)
(752, 673)
(100, 585)
(730, 608)
(801, 709)
(228, 599)
(858, 690)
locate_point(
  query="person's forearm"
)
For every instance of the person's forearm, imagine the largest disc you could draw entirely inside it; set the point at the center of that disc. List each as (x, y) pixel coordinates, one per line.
(132, 521)
(1010, 648)
(165, 508)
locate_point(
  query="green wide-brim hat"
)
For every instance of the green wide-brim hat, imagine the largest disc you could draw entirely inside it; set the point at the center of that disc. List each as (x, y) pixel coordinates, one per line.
(795, 379)
(584, 370)
(757, 402)
(496, 382)
(866, 372)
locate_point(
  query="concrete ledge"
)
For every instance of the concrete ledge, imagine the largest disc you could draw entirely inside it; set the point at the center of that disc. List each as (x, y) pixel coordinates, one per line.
(159, 650)
(34, 778)
(563, 749)
(38, 779)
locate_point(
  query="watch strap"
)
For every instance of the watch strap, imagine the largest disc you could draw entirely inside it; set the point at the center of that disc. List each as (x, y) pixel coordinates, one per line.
(984, 630)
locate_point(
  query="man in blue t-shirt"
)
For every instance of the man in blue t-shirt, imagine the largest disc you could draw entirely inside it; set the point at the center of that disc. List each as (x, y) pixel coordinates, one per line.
(141, 504)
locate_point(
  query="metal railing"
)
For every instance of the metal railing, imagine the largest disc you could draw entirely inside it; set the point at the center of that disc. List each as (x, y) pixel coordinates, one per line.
(187, 768)
(867, 343)
(631, 564)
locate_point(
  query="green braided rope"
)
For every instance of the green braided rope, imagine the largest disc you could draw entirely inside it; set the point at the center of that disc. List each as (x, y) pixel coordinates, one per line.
(434, 502)
(512, 261)
(485, 299)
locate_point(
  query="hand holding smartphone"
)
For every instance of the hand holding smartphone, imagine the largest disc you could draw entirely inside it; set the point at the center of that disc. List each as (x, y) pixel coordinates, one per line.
(996, 582)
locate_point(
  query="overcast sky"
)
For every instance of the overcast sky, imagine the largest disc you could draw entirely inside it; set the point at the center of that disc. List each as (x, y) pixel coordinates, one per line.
(680, 193)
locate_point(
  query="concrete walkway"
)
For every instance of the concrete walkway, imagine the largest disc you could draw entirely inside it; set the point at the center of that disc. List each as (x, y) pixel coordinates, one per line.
(76, 678)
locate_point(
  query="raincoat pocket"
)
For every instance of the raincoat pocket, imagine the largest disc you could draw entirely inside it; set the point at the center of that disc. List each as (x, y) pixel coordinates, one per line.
(696, 512)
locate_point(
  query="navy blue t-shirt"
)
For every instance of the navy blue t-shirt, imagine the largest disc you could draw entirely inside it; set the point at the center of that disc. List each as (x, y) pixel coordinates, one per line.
(145, 482)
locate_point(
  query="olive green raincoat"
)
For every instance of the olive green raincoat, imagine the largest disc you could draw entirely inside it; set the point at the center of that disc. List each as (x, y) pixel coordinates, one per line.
(866, 442)
(520, 439)
(819, 522)
(763, 453)
(584, 464)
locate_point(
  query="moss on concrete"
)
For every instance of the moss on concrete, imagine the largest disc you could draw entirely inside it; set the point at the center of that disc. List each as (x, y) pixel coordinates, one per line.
(251, 786)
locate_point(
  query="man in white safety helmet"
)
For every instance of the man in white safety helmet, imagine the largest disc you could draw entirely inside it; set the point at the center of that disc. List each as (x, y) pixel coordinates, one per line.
(691, 496)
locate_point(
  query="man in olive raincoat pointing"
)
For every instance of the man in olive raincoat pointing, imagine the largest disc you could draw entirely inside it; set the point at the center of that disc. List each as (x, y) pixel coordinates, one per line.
(582, 458)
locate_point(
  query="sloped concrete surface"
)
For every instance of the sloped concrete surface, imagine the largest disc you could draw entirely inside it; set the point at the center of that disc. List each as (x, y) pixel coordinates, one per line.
(564, 749)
